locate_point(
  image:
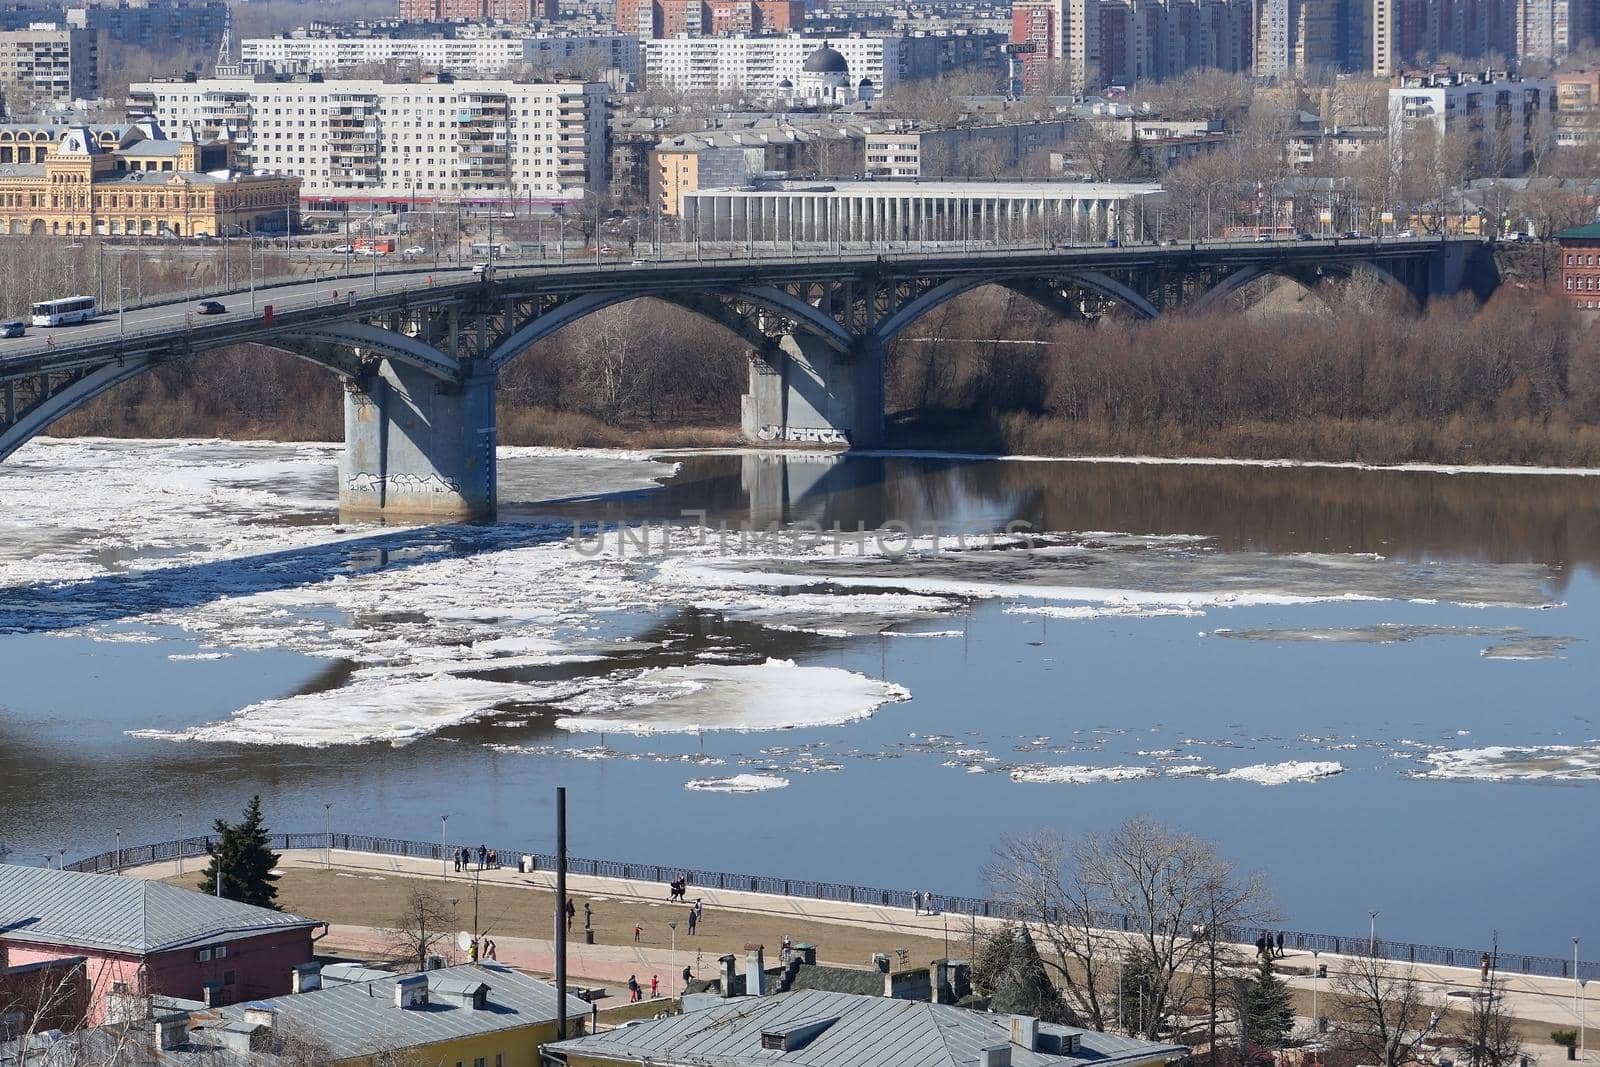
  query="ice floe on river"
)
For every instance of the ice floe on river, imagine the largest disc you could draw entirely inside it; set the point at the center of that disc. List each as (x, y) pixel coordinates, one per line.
(1504, 763)
(738, 783)
(235, 546)
(775, 695)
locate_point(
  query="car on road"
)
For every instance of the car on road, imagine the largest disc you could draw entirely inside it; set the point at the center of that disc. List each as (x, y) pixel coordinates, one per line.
(1303, 236)
(414, 250)
(482, 270)
(342, 250)
(1264, 237)
(1405, 233)
(210, 307)
(1112, 242)
(13, 329)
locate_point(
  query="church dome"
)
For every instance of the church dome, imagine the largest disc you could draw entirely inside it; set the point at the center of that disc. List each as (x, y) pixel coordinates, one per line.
(826, 60)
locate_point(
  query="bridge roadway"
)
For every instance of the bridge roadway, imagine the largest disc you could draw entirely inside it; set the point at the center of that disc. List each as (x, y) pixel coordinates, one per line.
(421, 348)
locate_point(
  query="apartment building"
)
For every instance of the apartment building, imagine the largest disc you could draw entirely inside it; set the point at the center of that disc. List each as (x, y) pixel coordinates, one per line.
(1069, 46)
(1479, 106)
(477, 57)
(353, 141)
(522, 11)
(961, 152)
(48, 63)
(762, 63)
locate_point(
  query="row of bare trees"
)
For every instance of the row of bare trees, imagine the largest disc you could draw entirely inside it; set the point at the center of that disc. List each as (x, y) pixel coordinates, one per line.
(1149, 900)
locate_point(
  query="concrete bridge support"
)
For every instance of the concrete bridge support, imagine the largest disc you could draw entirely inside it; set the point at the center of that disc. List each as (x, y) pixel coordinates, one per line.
(806, 391)
(418, 448)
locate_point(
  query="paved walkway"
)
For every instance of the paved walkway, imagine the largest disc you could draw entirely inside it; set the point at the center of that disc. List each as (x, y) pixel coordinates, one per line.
(1532, 998)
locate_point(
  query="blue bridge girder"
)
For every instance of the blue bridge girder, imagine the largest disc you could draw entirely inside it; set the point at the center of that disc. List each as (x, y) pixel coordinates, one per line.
(833, 312)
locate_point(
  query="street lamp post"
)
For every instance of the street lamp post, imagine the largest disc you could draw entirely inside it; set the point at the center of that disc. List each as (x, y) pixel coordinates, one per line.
(1316, 987)
(673, 984)
(327, 831)
(180, 842)
(119, 850)
(1372, 936)
(444, 823)
(1577, 995)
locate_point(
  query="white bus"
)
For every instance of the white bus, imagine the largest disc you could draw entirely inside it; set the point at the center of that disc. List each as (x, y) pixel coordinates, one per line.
(66, 310)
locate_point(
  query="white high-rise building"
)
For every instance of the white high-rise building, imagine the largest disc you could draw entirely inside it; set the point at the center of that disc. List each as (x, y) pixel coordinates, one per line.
(360, 141)
(728, 64)
(477, 57)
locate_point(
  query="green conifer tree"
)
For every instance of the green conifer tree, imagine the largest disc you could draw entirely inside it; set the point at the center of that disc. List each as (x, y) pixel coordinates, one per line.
(1271, 1007)
(1024, 988)
(241, 854)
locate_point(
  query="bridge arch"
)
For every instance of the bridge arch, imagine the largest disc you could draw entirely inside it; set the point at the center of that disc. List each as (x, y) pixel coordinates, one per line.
(1093, 281)
(35, 418)
(1307, 280)
(701, 302)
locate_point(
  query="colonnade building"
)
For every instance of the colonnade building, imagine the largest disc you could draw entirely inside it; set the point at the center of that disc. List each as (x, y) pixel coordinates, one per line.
(889, 211)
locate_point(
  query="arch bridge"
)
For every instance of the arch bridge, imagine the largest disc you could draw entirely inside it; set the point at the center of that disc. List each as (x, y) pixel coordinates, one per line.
(420, 352)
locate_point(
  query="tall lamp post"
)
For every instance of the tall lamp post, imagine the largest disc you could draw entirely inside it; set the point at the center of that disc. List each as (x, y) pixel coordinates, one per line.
(119, 850)
(673, 985)
(180, 841)
(1372, 936)
(1577, 995)
(327, 831)
(444, 827)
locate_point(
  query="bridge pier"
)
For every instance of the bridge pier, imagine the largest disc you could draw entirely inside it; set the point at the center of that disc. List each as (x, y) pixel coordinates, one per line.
(806, 391)
(418, 448)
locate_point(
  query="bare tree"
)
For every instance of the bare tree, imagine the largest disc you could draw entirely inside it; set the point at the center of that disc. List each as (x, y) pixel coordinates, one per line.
(421, 928)
(1488, 1033)
(1384, 1012)
(1168, 894)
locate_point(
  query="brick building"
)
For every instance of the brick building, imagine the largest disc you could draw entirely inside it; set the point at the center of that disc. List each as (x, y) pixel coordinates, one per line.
(1580, 265)
(145, 938)
(132, 180)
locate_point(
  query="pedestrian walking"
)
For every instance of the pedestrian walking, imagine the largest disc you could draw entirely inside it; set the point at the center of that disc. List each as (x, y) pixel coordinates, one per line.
(655, 986)
(638, 932)
(788, 948)
(483, 855)
(1483, 966)
(1261, 943)
(1280, 944)
(699, 906)
(927, 902)
(457, 856)
(916, 902)
(572, 913)
(588, 916)
(688, 976)
(633, 989)
(694, 920)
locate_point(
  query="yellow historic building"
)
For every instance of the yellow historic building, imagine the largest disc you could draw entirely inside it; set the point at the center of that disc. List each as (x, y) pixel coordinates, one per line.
(133, 180)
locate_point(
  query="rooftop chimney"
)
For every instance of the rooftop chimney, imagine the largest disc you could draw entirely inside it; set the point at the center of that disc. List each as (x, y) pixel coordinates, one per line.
(995, 1056)
(306, 977)
(727, 973)
(172, 1032)
(411, 991)
(755, 971)
(259, 1015)
(1025, 1032)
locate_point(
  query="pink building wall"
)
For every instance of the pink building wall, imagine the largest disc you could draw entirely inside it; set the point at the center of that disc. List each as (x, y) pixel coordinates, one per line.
(262, 966)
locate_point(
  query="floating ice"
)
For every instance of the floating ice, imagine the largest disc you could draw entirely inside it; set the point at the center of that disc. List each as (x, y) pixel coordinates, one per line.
(1079, 775)
(1383, 633)
(1530, 647)
(738, 783)
(1504, 763)
(775, 695)
(360, 713)
(1280, 773)
(1099, 611)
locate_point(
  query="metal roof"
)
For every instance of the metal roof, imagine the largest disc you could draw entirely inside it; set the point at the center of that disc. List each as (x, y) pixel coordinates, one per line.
(114, 913)
(871, 1032)
(361, 1018)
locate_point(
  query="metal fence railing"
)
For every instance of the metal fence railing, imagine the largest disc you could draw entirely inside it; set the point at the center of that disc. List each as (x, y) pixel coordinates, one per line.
(812, 889)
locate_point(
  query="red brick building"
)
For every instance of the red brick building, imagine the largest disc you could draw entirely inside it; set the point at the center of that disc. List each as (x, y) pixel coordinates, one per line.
(1035, 36)
(145, 938)
(1580, 265)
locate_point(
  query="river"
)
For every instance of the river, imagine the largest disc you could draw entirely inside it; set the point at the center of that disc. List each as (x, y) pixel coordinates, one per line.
(1377, 686)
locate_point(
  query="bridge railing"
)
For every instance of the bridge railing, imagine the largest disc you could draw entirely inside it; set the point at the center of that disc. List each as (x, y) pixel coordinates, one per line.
(812, 889)
(338, 268)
